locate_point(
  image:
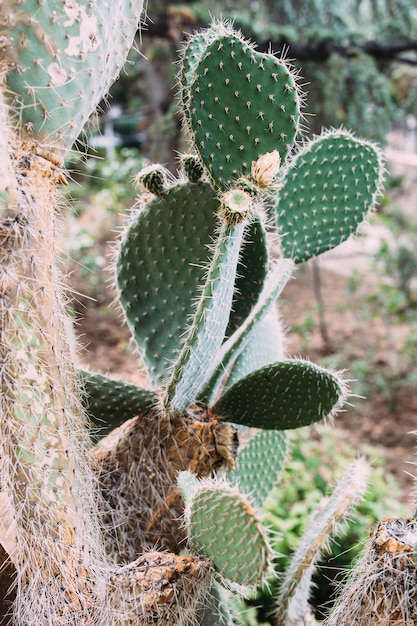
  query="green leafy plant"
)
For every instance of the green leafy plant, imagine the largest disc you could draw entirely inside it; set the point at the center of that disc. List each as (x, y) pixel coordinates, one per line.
(198, 289)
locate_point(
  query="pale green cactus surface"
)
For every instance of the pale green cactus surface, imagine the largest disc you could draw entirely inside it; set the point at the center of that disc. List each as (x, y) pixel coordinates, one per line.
(63, 57)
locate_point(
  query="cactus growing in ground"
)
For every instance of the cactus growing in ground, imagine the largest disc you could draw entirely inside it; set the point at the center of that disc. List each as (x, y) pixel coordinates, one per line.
(198, 290)
(219, 371)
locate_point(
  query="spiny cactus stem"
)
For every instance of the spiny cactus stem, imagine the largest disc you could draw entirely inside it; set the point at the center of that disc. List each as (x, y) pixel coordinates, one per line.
(231, 349)
(210, 321)
(158, 589)
(43, 461)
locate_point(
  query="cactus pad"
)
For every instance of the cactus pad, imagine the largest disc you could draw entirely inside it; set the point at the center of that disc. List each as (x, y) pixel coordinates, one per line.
(330, 187)
(293, 601)
(223, 526)
(259, 464)
(242, 104)
(111, 402)
(64, 57)
(161, 267)
(283, 395)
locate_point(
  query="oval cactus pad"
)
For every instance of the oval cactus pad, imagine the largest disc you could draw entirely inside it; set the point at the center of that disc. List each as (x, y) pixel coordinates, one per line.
(242, 104)
(161, 267)
(283, 395)
(223, 526)
(330, 187)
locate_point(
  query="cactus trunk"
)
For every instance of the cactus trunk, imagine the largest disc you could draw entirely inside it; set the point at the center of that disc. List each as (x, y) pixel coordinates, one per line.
(43, 468)
(144, 457)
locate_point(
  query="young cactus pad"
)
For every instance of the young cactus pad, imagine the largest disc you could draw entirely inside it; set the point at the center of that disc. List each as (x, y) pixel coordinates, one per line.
(242, 104)
(161, 267)
(259, 464)
(64, 57)
(284, 395)
(329, 188)
(325, 524)
(223, 526)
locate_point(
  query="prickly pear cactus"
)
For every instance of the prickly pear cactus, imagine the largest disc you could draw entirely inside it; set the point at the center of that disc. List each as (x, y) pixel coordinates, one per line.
(329, 188)
(223, 526)
(176, 227)
(299, 392)
(62, 57)
(294, 595)
(198, 290)
(259, 464)
(241, 104)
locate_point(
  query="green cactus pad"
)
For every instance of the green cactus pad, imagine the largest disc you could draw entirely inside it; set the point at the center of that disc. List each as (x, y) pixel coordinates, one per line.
(223, 526)
(259, 464)
(329, 189)
(110, 402)
(161, 268)
(242, 104)
(65, 56)
(283, 395)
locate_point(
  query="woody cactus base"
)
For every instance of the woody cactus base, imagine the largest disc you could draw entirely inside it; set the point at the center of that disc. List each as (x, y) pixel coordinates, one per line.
(198, 289)
(383, 586)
